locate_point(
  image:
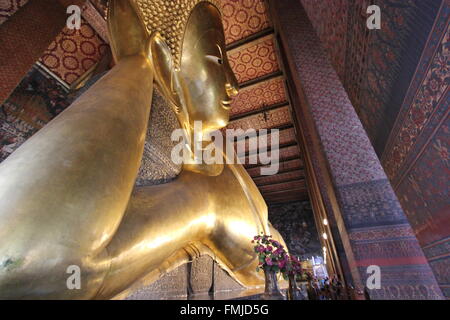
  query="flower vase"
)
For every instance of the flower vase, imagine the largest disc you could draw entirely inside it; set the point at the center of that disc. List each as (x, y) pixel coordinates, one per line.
(294, 292)
(272, 291)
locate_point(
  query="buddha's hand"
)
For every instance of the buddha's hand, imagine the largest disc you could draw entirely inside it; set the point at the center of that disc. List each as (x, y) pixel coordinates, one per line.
(127, 33)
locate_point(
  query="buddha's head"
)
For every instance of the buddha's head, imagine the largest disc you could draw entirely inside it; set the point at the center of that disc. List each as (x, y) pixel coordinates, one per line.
(185, 42)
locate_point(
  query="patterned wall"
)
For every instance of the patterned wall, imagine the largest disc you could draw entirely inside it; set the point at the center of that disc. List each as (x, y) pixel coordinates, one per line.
(377, 228)
(376, 67)
(330, 20)
(417, 154)
(397, 79)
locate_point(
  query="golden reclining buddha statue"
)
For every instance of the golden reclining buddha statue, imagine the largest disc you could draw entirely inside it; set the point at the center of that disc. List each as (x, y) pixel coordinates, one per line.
(67, 197)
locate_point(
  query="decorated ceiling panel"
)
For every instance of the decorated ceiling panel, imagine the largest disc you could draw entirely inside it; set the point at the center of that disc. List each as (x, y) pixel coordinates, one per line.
(291, 165)
(279, 178)
(74, 52)
(259, 95)
(263, 142)
(243, 18)
(287, 153)
(286, 186)
(267, 120)
(254, 60)
(9, 7)
(284, 166)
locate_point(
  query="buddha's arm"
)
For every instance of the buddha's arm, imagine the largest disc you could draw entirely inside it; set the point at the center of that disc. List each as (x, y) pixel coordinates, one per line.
(63, 193)
(203, 214)
(160, 221)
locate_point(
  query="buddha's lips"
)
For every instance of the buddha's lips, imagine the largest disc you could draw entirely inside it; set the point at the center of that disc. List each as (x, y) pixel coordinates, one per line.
(226, 104)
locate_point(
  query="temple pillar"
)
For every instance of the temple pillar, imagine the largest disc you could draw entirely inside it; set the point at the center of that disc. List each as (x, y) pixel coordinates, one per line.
(23, 39)
(360, 202)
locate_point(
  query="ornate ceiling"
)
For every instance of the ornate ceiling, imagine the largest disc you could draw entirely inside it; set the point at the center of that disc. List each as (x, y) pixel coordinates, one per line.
(74, 52)
(262, 101)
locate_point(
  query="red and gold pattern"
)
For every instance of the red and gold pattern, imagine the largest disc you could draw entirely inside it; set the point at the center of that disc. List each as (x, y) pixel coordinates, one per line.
(254, 60)
(242, 18)
(434, 87)
(9, 7)
(74, 52)
(256, 96)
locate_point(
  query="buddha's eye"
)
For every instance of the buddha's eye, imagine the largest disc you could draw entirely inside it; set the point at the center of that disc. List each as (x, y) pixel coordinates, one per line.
(215, 59)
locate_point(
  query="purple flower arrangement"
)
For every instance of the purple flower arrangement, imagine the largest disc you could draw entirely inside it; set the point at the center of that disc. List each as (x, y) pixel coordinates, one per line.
(274, 258)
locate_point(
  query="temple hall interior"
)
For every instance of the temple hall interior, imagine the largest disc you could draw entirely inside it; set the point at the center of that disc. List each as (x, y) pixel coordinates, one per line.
(355, 117)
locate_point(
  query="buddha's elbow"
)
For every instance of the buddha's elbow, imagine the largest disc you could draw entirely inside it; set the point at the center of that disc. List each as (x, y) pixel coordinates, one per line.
(30, 275)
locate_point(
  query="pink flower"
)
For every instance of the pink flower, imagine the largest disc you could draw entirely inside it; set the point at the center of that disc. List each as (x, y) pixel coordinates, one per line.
(269, 261)
(269, 249)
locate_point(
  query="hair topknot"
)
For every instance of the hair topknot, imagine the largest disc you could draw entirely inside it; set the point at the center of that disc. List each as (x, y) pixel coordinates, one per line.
(169, 18)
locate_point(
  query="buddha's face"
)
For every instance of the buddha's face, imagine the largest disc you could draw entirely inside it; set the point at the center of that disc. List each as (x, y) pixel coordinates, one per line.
(205, 75)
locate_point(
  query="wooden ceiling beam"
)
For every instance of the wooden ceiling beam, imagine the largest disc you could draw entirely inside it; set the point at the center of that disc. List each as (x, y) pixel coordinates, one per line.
(251, 166)
(250, 38)
(262, 184)
(279, 127)
(258, 111)
(279, 172)
(287, 199)
(263, 78)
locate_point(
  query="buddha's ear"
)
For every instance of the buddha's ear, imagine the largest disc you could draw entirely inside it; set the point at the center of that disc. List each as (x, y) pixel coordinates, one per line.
(164, 67)
(127, 33)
